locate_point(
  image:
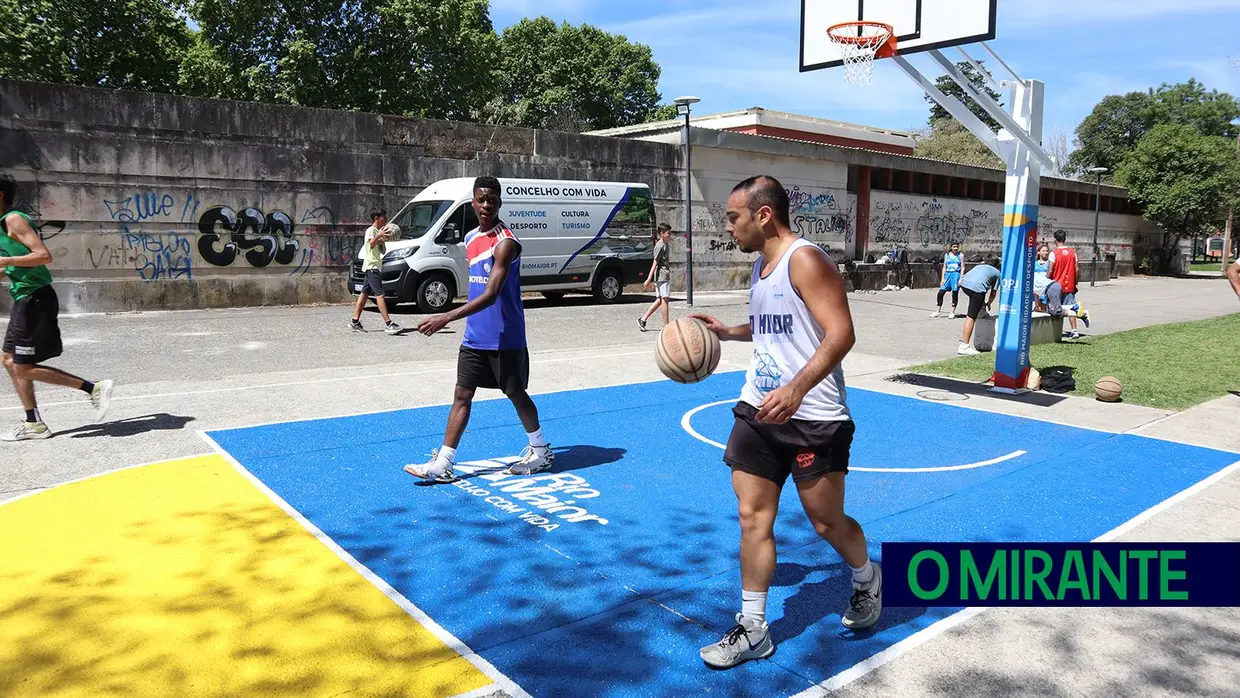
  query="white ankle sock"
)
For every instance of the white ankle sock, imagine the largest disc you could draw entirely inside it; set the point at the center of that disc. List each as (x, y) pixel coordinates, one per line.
(536, 438)
(753, 605)
(446, 455)
(863, 575)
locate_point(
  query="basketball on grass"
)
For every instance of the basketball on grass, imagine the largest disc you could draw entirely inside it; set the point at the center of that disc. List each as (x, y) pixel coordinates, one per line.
(1108, 389)
(687, 351)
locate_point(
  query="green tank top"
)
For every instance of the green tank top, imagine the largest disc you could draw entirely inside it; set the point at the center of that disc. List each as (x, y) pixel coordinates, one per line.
(23, 281)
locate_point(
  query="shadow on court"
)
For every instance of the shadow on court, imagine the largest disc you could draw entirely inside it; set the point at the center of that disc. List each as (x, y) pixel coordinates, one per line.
(133, 426)
(814, 601)
(967, 389)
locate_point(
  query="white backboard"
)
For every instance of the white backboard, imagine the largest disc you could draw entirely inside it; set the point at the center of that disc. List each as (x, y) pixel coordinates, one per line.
(920, 25)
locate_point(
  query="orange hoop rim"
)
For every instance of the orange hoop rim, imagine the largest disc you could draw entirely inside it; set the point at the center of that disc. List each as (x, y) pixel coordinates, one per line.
(844, 39)
(885, 50)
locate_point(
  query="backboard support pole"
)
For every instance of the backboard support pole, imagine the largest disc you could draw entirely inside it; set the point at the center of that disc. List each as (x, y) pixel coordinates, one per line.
(990, 79)
(995, 111)
(1018, 145)
(1006, 67)
(953, 106)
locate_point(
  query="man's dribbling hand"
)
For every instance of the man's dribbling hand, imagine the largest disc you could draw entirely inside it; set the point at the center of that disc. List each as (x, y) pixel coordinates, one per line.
(433, 324)
(779, 405)
(712, 323)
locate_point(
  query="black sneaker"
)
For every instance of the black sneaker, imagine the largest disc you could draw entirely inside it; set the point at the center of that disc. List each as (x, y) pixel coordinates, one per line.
(356, 326)
(391, 327)
(642, 324)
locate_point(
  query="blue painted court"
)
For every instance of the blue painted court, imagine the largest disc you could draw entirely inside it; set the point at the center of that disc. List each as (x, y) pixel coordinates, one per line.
(605, 575)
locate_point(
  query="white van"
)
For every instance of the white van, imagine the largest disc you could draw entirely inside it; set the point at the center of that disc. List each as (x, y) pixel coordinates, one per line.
(576, 236)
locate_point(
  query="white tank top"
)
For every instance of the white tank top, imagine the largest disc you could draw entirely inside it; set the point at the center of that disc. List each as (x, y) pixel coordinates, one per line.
(785, 337)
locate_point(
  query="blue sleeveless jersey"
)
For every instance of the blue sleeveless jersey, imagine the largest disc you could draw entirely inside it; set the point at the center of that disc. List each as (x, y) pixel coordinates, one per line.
(501, 326)
(952, 263)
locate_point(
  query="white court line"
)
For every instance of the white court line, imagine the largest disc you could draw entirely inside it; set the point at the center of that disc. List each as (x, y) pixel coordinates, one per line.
(316, 381)
(438, 631)
(686, 423)
(927, 634)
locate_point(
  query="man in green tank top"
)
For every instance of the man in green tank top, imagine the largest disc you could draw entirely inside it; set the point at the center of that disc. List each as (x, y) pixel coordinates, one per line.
(33, 335)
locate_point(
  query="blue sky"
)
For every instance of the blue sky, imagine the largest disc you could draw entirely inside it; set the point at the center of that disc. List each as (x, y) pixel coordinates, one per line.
(737, 54)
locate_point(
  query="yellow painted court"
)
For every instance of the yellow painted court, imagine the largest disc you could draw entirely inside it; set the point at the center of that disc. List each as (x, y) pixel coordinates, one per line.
(183, 577)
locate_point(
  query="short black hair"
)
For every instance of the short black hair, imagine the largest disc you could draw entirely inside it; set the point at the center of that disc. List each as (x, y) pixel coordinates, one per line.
(377, 212)
(664, 227)
(765, 190)
(487, 183)
(994, 260)
(8, 187)
(1061, 236)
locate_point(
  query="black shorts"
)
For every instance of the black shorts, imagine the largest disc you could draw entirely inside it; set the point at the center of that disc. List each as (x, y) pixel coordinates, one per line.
(503, 369)
(805, 450)
(33, 335)
(372, 284)
(977, 301)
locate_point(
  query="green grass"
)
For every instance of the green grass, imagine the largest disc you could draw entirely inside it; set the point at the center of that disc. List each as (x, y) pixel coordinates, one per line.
(1166, 366)
(1206, 266)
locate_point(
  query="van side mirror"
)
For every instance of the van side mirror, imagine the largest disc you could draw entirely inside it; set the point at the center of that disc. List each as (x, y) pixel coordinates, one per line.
(450, 234)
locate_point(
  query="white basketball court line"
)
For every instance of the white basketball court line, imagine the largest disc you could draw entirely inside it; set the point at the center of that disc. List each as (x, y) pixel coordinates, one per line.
(686, 423)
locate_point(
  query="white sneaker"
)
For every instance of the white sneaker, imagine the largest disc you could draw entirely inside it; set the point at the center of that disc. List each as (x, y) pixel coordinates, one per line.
(27, 431)
(747, 640)
(967, 350)
(936, 314)
(432, 470)
(533, 460)
(101, 399)
(866, 604)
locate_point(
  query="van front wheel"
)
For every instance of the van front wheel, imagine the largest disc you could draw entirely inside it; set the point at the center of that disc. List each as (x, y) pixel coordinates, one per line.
(435, 293)
(609, 286)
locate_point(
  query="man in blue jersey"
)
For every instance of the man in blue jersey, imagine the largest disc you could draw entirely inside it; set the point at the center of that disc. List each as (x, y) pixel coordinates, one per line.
(493, 353)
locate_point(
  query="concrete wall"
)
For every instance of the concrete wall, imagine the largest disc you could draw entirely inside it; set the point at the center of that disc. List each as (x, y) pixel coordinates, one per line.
(159, 202)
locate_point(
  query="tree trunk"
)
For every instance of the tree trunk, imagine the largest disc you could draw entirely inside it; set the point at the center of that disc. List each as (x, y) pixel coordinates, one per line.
(1169, 253)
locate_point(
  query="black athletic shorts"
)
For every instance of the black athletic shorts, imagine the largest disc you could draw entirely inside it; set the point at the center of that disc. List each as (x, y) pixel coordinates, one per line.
(977, 301)
(504, 369)
(372, 285)
(33, 335)
(803, 449)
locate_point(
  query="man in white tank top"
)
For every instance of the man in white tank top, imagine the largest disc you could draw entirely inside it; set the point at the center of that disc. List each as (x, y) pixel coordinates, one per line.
(793, 417)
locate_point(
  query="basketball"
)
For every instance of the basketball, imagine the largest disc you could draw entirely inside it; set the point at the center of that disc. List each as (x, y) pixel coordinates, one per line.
(1034, 380)
(1108, 389)
(687, 351)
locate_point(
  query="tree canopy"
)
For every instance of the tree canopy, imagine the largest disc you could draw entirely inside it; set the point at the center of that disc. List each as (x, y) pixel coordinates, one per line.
(949, 87)
(429, 58)
(126, 44)
(1184, 179)
(1119, 122)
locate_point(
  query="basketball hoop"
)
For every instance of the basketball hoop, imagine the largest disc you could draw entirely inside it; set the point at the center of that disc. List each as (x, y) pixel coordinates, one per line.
(860, 43)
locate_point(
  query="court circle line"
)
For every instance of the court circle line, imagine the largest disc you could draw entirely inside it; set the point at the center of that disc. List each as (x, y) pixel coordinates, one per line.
(686, 423)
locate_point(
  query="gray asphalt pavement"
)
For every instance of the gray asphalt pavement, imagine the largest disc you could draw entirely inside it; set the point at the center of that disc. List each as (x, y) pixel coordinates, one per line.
(181, 372)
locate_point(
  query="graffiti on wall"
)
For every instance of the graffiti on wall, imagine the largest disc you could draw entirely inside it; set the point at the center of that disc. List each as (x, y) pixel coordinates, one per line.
(931, 224)
(164, 236)
(225, 233)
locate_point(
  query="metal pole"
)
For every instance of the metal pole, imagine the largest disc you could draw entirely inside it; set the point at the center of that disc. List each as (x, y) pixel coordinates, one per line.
(688, 216)
(1231, 218)
(1093, 271)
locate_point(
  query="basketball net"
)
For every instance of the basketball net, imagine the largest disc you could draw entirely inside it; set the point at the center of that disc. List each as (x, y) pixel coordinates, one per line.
(860, 43)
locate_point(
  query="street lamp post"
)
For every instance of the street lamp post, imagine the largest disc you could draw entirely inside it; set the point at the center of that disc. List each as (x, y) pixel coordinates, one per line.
(1093, 267)
(683, 105)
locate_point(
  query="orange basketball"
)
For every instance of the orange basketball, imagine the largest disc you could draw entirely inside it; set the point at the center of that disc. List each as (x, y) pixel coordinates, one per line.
(687, 351)
(1108, 389)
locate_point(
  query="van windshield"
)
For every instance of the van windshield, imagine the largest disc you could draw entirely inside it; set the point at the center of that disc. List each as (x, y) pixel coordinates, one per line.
(419, 217)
